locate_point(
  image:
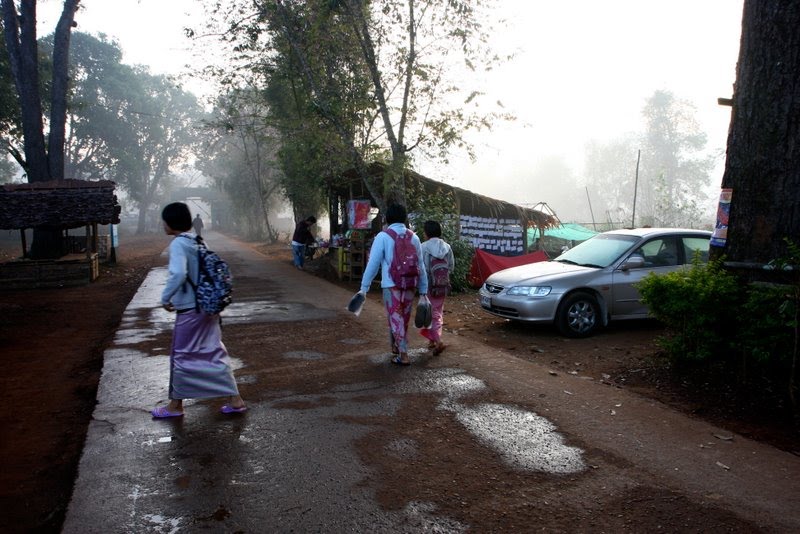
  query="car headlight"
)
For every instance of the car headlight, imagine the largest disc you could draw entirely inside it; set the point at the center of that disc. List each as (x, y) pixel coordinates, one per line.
(529, 291)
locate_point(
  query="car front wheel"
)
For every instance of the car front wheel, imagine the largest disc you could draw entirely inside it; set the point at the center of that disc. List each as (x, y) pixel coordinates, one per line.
(578, 315)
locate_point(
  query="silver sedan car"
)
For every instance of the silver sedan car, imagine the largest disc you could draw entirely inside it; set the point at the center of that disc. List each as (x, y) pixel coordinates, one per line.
(592, 283)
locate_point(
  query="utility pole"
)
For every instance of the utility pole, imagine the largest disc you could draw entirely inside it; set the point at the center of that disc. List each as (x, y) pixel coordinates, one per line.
(594, 224)
(635, 188)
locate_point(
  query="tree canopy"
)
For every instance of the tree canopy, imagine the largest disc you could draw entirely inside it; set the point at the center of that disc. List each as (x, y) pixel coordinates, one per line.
(378, 75)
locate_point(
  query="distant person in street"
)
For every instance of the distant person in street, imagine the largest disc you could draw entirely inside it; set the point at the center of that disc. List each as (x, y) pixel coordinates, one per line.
(398, 302)
(439, 264)
(199, 363)
(302, 237)
(198, 225)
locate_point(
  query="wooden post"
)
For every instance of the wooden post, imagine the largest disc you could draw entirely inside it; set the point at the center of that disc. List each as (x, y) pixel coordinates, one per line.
(95, 238)
(591, 211)
(635, 187)
(24, 242)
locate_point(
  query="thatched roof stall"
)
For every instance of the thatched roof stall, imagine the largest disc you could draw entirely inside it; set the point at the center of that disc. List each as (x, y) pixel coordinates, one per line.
(493, 225)
(58, 204)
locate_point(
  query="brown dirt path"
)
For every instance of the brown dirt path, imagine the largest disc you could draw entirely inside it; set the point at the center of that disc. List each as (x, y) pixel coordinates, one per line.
(52, 343)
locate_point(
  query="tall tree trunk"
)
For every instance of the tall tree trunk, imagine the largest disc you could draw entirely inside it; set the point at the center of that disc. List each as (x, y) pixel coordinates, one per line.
(58, 109)
(141, 223)
(763, 161)
(23, 52)
(47, 244)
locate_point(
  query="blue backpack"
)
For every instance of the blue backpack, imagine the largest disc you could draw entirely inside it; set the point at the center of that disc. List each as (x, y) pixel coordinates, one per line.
(214, 281)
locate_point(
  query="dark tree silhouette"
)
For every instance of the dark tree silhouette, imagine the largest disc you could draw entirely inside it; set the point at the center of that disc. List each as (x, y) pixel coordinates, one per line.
(763, 160)
(40, 163)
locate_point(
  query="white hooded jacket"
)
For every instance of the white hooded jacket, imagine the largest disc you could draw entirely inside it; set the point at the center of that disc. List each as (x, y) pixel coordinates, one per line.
(436, 247)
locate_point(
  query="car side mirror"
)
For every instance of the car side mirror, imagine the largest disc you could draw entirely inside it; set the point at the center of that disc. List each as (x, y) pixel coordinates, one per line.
(634, 262)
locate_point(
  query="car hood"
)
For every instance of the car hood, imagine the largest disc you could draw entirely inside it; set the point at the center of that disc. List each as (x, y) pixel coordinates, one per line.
(536, 273)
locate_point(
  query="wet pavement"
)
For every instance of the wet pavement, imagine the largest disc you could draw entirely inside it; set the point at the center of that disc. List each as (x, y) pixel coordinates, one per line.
(275, 469)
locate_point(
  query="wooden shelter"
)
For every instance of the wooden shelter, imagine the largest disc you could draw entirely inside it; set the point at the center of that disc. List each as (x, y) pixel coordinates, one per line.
(492, 225)
(59, 205)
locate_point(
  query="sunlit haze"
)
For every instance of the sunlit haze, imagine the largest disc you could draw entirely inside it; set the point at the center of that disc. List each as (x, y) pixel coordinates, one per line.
(583, 71)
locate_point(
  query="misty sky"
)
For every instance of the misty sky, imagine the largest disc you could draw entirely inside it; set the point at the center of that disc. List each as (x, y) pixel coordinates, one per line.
(583, 71)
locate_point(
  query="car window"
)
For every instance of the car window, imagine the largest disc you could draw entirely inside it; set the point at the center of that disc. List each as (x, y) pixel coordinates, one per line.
(695, 245)
(660, 252)
(600, 251)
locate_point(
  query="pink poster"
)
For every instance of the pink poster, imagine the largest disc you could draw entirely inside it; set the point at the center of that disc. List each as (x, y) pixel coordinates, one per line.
(358, 214)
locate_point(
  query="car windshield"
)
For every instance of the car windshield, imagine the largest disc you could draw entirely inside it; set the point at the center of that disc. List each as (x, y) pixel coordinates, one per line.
(600, 251)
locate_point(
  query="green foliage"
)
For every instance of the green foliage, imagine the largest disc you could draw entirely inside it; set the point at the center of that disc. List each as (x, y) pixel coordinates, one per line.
(700, 307)
(713, 317)
(766, 337)
(378, 76)
(441, 207)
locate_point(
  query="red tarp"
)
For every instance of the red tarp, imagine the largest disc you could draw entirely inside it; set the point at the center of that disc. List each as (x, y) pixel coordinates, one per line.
(484, 264)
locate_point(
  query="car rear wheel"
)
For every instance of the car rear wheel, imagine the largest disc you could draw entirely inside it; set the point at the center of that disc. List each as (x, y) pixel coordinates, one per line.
(578, 315)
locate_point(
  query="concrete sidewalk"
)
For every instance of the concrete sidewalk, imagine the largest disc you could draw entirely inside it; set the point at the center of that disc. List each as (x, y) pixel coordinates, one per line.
(275, 469)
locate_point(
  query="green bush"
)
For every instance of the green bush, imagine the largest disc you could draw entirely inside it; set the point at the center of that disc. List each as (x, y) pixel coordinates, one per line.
(749, 331)
(463, 251)
(700, 308)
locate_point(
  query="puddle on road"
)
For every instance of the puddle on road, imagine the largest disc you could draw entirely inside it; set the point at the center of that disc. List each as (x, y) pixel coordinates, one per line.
(453, 383)
(524, 439)
(257, 311)
(305, 355)
(134, 336)
(382, 358)
(353, 341)
(168, 525)
(422, 517)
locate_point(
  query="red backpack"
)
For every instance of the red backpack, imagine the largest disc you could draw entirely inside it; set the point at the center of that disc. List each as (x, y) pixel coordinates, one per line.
(404, 269)
(439, 277)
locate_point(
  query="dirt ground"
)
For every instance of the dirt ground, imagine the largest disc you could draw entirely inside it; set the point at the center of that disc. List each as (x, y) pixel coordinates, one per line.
(52, 343)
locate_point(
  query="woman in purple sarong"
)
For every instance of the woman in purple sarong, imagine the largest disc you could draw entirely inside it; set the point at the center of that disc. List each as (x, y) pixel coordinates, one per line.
(199, 364)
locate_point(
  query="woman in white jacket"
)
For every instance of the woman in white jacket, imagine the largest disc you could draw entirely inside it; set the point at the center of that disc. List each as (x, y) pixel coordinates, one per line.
(439, 263)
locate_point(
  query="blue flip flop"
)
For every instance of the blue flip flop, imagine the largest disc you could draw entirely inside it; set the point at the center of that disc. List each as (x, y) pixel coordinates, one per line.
(161, 412)
(397, 361)
(227, 408)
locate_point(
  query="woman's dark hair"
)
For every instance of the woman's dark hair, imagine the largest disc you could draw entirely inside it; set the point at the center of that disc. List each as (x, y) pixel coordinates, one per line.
(396, 213)
(433, 229)
(177, 216)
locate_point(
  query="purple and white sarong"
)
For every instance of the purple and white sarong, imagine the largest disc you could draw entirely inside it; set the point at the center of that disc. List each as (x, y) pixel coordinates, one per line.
(199, 363)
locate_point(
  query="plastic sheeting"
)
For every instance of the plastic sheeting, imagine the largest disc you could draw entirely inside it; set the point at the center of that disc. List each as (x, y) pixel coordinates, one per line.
(484, 264)
(568, 232)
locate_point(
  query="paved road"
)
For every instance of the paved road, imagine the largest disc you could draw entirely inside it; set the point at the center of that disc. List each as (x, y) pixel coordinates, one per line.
(318, 384)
